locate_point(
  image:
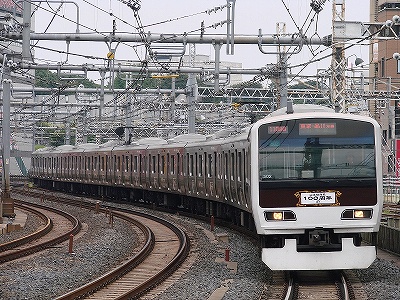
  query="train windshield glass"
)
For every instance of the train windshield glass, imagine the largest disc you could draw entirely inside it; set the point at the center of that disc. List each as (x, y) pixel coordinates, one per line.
(316, 148)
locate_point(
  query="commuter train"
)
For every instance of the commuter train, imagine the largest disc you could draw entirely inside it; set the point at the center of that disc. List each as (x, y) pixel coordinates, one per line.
(308, 181)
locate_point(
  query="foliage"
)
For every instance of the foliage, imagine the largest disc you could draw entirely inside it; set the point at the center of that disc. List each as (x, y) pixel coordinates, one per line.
(56, 134)
(48, 79)
(255, 85)
(310, 84)
(150, 83)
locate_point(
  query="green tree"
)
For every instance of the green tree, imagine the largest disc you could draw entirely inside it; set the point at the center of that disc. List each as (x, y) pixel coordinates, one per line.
(149, 82)
(48, 79)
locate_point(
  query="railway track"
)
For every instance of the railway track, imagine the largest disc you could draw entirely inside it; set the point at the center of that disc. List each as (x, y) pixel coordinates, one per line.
(317, 285)
(58, 227)
(164, 248)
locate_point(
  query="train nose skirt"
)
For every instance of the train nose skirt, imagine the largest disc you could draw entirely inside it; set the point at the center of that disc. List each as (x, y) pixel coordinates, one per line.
(288, 258)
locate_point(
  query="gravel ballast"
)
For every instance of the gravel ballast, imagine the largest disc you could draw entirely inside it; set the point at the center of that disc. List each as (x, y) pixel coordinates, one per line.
(53, 272)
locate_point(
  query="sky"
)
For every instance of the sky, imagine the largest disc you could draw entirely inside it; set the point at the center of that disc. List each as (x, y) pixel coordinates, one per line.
(180, 16)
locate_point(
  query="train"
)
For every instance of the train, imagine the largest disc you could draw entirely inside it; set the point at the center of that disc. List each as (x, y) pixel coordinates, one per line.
(306, 179)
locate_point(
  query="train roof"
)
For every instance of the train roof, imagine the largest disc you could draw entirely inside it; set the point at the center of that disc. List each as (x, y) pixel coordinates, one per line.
(187, 138)
(302, 108)
(150, 141)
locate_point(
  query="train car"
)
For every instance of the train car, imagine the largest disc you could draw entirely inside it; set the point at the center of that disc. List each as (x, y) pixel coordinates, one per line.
(309, 182)
(316, 184)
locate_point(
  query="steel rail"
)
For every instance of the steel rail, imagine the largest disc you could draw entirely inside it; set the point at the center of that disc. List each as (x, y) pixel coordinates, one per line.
(30, 237)
(41, 246)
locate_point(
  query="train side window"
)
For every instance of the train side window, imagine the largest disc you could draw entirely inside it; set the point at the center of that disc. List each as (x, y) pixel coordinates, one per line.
(118, 163)
(95, 163)
(126, 163)
(102, 164)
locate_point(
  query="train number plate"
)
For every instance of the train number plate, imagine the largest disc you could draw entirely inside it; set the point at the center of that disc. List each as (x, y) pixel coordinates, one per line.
(318, 198)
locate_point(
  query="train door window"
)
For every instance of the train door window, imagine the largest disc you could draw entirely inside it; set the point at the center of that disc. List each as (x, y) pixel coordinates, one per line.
(148, 163)
(233, 165)
(214, 165)
(187, 164)
(135, 163)
(200, 165)
(153, 164)
(178, 164)
(209, 165)
(226, 165)
(190, 165)
(162, 171)
(168, 166)
(173, 169)
(195, 165)
(239, 165)
(126, 163)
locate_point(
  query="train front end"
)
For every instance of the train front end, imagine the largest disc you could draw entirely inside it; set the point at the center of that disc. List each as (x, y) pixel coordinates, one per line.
(317, 186)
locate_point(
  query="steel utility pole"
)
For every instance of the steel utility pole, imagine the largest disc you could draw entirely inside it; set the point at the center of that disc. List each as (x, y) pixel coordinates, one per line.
(7, 204)
(338, 63)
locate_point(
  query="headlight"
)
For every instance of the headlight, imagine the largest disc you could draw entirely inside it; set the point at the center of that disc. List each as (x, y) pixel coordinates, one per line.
(355, 214)
(282, 215)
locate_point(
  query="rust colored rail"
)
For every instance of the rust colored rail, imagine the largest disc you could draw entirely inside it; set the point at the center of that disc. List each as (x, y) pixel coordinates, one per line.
(105, 281)
(318, 285)
(14, 254)
(43, 230)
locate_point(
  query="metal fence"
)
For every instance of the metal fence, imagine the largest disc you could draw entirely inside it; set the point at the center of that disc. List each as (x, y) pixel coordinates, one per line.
(388, 239)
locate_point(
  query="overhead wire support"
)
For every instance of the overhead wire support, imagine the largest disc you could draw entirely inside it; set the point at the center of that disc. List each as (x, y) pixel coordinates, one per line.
(132, 4)
(230, 27)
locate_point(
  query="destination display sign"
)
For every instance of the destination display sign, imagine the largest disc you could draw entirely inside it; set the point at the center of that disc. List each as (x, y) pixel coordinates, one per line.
(317, 128)
(277, 129)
